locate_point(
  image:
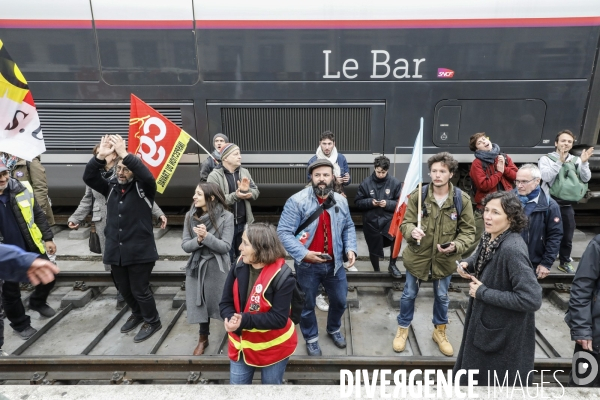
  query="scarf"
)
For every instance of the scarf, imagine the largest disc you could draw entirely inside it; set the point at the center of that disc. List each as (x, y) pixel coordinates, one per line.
(488, 249)
(488, 157)
(528, 205)
(332, 158)
(197, 258)
(109, 174)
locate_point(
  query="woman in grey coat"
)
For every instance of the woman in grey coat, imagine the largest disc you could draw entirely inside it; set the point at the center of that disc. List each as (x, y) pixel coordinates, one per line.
(207, 235)
(499, 333)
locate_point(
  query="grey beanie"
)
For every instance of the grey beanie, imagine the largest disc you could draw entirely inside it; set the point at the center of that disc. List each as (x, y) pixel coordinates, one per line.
(221, 136)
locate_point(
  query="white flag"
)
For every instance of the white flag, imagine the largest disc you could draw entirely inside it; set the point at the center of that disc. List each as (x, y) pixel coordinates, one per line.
(20, 128)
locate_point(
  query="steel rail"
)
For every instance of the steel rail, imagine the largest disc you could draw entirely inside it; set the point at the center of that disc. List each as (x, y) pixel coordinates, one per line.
(355, 279)
(215, 368)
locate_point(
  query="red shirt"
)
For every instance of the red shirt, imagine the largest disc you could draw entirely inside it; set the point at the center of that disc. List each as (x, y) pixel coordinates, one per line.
(324, 224)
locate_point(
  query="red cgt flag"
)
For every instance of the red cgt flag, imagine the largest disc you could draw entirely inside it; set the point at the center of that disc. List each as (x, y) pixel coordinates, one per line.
(156, 140)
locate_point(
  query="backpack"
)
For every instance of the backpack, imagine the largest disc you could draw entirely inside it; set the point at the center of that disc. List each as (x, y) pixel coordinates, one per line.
(298, 296)
(567, 185)
(457, 199)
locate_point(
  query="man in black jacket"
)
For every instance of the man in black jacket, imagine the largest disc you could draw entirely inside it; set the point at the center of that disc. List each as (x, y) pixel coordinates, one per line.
(583, 317)
(23, 224)
(377, 197)
(130, 249)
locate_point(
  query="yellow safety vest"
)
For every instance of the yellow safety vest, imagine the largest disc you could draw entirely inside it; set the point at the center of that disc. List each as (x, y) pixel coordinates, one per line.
(26, 200)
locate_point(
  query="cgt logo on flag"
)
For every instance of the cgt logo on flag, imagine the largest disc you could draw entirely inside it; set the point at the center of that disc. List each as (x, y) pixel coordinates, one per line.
(156, 140)
(445, 73)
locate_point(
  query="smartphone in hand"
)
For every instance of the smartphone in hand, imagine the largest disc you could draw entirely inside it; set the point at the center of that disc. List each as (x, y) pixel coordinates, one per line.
(464, 269)
(325, 257)
(445, 245)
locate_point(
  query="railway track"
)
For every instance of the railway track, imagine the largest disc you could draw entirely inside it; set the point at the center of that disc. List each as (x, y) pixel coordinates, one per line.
(82, 343)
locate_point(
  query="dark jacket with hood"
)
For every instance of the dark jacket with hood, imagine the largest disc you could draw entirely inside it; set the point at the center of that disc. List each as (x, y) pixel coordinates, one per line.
(544, 232)
(583, 316)
(377, 220)
(129, 235)
(208, 165)
(15, 187)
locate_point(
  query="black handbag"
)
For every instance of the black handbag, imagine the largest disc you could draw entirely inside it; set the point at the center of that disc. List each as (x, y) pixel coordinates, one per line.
(94, 238)
(95, 241)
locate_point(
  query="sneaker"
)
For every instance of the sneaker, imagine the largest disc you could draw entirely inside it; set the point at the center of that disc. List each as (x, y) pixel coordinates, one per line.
(26, 333)
(392, 269)
(44, 310)
(322, 303)
(3, 353)
(131, 324)
(399, 343)
(313, 349)
(567, 268)
(338, 339)
(439, 336)
(146, 331)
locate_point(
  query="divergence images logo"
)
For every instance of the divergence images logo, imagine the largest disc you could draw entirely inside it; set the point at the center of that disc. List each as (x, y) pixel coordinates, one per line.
(445, 73)
(584, 368)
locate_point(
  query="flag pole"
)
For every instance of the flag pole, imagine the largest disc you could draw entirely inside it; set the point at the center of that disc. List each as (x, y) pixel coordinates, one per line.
(419, 213)
(207, 152)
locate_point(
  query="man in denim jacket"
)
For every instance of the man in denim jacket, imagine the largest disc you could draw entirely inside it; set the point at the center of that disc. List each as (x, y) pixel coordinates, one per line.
(317, 250)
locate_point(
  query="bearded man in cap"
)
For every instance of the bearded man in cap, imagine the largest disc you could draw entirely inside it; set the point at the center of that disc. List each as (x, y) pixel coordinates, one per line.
(239, 188)
(219, 140)
(316, 228)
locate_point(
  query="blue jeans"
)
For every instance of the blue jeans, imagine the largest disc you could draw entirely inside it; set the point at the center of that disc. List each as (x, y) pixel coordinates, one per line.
(309, 277)
(440, 302)
(242, 373)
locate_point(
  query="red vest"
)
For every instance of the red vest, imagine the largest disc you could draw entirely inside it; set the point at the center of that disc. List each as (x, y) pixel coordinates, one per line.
(261, 348)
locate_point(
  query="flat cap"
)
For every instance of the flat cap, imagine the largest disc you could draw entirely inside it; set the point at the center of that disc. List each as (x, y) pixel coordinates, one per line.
(319, 163)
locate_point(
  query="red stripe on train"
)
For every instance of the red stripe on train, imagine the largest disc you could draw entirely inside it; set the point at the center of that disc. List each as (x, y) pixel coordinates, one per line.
(303, 24)
(45, 24)
(398, 24)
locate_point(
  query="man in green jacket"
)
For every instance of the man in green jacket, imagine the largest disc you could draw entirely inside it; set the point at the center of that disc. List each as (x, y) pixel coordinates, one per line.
(447, 229)
(239, 189)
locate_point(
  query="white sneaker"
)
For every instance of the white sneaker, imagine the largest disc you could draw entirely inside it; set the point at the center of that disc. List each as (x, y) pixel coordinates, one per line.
(3, 353)
(322, 303)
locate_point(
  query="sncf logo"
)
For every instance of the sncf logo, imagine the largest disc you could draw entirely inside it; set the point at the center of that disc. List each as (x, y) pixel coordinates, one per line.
(445, 73)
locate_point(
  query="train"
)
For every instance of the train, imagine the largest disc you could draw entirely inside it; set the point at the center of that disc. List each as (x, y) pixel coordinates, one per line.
(273, 75)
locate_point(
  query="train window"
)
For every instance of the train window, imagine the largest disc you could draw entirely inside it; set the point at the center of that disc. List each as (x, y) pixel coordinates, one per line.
(511, 123)
(140, 45)
(53, 54)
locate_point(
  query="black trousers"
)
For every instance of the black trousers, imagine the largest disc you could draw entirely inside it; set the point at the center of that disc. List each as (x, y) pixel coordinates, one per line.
(595, 382)
(133, 281)
(13, 306)
(234, 251)
(566, 245)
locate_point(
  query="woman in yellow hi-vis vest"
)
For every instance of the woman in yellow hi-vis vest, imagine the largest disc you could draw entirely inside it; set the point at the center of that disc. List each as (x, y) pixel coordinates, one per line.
(255, 312)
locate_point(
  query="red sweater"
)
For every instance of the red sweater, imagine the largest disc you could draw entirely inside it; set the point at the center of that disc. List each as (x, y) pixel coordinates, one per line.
(486, 181)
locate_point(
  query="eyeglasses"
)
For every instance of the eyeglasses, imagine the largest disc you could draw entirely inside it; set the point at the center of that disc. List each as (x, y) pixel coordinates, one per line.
(523, 182)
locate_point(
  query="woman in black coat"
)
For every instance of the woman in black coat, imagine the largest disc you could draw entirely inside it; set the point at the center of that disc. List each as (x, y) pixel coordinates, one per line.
(499, 332)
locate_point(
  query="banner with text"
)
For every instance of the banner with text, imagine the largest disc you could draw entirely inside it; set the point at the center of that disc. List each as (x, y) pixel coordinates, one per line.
(156, 140)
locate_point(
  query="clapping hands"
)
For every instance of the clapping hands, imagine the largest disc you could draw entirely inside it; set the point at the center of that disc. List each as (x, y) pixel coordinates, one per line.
(201, 232)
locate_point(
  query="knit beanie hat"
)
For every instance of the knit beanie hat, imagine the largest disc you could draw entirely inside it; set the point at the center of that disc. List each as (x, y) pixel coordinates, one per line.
(225, 138)
(228, 149)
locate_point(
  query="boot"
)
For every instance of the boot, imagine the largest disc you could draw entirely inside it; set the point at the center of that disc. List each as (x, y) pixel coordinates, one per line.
(202, 345)
(439, 336)
(399, 343)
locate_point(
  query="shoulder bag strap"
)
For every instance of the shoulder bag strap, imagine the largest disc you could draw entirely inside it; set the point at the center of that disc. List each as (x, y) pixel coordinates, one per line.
(310, 220)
